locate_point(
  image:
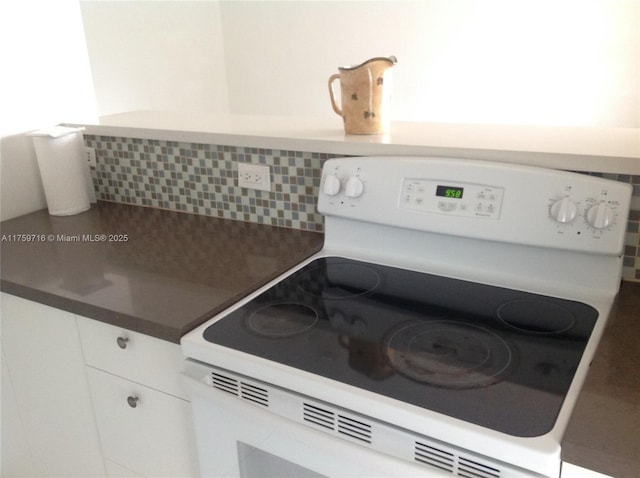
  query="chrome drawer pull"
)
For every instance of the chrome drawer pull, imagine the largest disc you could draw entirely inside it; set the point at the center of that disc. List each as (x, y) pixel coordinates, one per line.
(133, 401)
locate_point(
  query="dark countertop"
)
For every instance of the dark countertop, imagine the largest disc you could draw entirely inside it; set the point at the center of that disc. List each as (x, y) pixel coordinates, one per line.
(177, 270)
(604, 430)
(173, 271)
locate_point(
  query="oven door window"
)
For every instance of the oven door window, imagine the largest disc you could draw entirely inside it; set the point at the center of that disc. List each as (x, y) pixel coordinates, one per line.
(237, 439)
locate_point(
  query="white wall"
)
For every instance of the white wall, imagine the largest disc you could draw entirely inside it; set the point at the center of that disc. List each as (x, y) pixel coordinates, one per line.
(45, 80)
(549, 62)
(545, 62)
(158, 55)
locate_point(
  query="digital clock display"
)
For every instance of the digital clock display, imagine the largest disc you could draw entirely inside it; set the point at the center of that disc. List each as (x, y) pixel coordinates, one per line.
(452, 192)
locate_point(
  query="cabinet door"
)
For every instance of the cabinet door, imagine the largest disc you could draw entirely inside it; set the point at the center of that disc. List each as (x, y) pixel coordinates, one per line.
(45, 367)
(16, 462)
(142, 429)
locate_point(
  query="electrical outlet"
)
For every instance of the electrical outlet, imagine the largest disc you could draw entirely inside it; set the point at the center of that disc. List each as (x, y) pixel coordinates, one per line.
(254, 176)
(90, 156)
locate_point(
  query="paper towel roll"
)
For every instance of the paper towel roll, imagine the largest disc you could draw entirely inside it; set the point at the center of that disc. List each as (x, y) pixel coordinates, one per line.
(62, 167)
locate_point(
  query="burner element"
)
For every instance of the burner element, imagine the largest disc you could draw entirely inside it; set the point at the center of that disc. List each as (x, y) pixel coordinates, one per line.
(338, 280)
(282, 320)
(448, 354)
(536, 316)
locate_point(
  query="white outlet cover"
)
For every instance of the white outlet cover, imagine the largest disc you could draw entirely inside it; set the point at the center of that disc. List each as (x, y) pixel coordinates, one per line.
(90, 156)
(254, 176)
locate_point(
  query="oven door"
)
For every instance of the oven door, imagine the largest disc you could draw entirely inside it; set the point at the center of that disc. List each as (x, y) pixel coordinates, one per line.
(238, 438)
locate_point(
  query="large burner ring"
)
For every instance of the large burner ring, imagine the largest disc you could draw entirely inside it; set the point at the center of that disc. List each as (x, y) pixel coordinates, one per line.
(448, 354)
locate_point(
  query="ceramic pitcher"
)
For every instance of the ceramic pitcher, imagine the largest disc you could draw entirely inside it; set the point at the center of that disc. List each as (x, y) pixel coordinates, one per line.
(365, 95)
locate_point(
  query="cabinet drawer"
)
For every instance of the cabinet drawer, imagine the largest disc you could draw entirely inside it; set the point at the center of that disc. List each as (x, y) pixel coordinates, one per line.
(141, 429)
(135, 356)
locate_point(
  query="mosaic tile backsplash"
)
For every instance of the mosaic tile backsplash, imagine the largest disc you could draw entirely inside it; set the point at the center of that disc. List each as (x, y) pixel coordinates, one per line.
(202, 179)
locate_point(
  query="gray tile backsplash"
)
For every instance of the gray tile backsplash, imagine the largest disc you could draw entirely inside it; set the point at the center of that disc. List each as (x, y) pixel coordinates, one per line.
(202, 179)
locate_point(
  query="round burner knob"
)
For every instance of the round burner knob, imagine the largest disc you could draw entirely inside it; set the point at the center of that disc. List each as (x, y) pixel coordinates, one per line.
(600, 216)
(564, 210)
(331, 185)
(354, 187)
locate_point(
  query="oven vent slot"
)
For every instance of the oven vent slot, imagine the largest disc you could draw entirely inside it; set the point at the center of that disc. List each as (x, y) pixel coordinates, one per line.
(318, 416)
(240, 389)
(473, 469)
(434, 456)
(453, 463)
(354, 428)
(342, 424)
(254, 394)
(224, 383)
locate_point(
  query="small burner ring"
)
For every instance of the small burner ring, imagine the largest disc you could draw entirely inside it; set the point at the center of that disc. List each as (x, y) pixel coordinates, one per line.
(339, 281)
(539, 317)
(281, 320)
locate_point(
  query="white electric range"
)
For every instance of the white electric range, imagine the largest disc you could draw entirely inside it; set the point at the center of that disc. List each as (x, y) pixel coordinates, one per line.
(445, 328)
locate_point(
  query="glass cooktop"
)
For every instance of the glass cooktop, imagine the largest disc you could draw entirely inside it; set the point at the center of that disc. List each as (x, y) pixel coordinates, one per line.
(496, 357)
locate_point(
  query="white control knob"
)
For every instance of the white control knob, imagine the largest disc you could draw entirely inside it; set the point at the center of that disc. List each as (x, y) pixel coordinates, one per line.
(600, 216)
(331, 185)
(564, 210)
(354, 187)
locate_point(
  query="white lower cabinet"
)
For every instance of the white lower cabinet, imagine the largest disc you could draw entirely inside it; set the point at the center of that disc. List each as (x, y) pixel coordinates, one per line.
(144, 421)
(81, 398)
(141, 429)
(48, 427)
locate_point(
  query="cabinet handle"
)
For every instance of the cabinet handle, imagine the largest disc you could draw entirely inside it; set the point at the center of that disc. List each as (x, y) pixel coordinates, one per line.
(122, 342)
(133, 401)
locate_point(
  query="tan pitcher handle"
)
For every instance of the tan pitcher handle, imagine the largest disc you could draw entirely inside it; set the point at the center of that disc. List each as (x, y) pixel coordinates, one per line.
(334, 105)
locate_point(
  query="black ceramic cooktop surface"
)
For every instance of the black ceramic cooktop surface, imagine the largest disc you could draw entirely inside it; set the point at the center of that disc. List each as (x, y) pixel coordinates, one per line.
(496, 357)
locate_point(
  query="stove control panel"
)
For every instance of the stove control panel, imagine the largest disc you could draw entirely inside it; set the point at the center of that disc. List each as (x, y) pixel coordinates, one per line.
(452, 197)
(480, 199)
